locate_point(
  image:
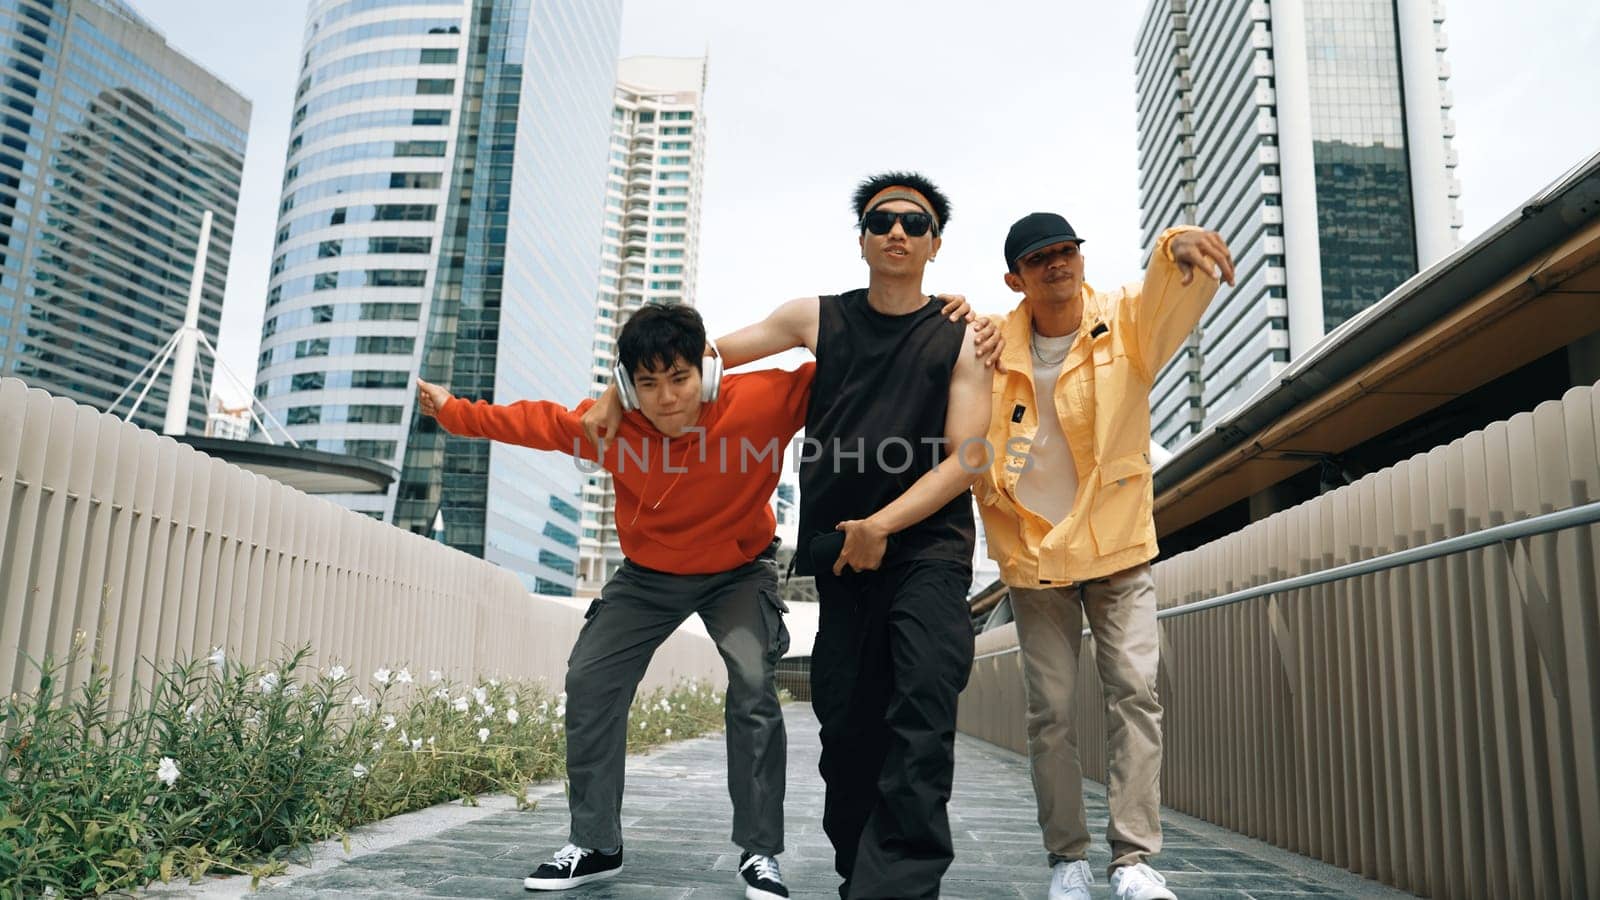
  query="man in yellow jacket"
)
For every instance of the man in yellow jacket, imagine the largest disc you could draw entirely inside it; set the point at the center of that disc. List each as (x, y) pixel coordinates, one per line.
(1067, 509)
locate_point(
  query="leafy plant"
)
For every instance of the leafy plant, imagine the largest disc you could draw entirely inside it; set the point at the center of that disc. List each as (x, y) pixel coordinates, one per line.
(221, 767)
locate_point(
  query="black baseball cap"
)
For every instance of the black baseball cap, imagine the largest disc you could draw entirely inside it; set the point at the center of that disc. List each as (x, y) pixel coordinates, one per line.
(1036, 230)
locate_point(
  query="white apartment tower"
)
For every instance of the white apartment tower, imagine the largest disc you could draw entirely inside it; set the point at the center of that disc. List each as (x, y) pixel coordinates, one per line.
(1315, 136)
(650, 243)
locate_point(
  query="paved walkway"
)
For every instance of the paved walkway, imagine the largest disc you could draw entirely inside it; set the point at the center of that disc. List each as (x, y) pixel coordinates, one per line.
(676, 817)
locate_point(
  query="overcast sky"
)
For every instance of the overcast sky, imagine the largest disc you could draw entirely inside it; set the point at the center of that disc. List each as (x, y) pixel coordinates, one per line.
(1010, 106)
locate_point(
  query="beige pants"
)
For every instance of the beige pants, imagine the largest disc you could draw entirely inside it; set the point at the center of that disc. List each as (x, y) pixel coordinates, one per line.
(1122, 617)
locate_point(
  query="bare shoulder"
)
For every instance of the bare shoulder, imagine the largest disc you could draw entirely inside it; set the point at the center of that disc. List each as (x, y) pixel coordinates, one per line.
(968, 366)
(800, 318)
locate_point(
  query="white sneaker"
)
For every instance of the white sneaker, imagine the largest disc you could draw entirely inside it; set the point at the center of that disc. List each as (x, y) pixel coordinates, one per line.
(1140, 882)
(1071, 880)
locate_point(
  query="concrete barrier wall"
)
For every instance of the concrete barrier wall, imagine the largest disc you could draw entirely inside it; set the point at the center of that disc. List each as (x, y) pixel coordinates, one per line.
(155, 551)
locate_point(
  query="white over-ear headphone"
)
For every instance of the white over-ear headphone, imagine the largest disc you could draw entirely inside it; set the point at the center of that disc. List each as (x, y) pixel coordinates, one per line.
(710, 379)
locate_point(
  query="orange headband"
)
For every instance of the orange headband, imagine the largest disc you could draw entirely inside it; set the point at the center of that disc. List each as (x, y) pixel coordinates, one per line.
(910, 195)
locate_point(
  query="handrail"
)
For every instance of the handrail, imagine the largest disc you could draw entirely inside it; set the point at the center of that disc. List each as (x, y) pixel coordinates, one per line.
(1587, 514)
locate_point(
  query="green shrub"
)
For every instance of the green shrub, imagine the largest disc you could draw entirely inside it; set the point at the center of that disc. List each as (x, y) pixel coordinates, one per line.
(227, 768)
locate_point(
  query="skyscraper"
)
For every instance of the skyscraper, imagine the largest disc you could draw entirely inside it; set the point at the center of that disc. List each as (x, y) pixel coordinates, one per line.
(114, 145)
(1315, 136)
(651, 238)
(440, 201)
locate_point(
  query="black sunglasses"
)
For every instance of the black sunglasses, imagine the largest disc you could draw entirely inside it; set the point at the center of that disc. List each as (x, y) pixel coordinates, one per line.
(916, 224)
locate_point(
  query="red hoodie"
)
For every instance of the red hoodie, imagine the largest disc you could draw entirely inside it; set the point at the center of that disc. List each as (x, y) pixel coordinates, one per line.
(705, 507)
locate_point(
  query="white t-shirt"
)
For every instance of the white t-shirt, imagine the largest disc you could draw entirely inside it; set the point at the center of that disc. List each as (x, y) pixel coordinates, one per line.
(1050, 482)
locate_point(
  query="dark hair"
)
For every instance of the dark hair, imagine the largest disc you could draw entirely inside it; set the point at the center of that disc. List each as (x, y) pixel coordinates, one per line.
(660, 334)
(872, 185)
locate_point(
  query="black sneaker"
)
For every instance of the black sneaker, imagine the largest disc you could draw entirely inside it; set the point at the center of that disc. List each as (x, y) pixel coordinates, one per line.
(573, 866)
(762, 880)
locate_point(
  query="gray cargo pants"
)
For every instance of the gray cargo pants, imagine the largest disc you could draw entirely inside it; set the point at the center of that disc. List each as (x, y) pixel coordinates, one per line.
(637, 609)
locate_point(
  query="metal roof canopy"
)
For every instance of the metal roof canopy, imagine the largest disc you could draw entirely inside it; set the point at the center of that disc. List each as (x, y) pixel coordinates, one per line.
(309, 471)
(1524, 288)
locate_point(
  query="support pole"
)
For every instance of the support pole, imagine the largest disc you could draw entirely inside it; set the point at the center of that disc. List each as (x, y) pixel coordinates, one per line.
(177, 423)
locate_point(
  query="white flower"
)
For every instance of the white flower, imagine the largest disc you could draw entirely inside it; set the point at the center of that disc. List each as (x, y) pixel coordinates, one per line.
(337, 672)
(480, 695)
(460, 704)
(435, 675)
(430, 741)
(669, 732)
(441, 693)
(494, 682)
(555, 727)
(511, 698)
(49, 893)
(488, 710)
(217, 657)
(388, 723)
(544, 706)
(561, 712)
(403, 738)
(512, 715)
(403, 676)
(359, 771)
(478, 717)
(376, 746)
(483, 735)
(192, 711)
(268, 682)
(562, 697)
(167, 771)
(362, 704)
(381, 676)
(416, 744)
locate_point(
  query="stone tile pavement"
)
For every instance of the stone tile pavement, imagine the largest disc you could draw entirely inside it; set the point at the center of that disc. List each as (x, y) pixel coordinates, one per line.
(676, 819)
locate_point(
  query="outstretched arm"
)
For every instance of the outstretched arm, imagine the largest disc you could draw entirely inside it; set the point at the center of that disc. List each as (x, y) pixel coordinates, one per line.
(1183, 276)
(966, 426)
(539, 424)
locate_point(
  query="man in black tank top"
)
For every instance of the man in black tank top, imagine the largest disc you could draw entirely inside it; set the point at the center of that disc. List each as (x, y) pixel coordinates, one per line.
(894, 431)
(894, 438)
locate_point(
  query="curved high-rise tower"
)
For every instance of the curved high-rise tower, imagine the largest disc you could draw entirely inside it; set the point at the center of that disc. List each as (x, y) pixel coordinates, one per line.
(441, 195)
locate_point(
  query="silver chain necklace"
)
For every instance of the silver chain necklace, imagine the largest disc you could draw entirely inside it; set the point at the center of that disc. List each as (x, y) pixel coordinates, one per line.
(1033, 341)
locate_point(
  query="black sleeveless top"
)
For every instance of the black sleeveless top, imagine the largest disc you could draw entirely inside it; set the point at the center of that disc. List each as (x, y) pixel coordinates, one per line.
(876, 424)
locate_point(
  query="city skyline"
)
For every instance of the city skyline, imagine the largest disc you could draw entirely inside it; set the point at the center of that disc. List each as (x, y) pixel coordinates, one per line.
(772, 93)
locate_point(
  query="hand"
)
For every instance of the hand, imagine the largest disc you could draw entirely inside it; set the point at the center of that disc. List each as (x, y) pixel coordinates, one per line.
(1205, 249)
(601, 421)
(956, 307)
(988, 343)
(864, 544)
(431, 398)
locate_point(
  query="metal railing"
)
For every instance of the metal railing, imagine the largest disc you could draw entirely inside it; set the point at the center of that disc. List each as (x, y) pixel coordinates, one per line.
(1401, 677)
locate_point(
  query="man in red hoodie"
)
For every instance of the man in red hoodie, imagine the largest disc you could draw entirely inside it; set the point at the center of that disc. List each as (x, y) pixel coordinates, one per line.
(693, 469)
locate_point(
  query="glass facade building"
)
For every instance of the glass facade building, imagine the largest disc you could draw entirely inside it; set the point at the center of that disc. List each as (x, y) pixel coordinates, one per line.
(650, 245)
(1314, 135)
(441, 196)
(112, 147)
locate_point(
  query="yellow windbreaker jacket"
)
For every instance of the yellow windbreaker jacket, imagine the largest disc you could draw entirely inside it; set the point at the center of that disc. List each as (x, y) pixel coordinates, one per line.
(1103, 403)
